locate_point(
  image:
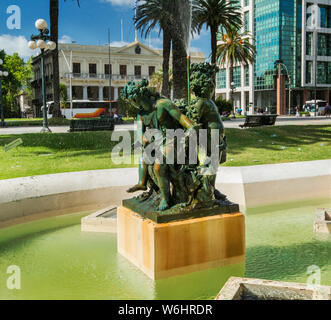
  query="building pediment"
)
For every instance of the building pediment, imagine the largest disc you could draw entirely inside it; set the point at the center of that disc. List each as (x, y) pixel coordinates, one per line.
(138, 48)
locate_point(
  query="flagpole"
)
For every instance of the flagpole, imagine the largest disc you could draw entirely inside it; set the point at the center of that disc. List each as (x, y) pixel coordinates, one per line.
(109, 71)
(135, 16)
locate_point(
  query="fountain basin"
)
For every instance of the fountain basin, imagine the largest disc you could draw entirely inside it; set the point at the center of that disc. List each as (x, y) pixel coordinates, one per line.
(30, 198)
(258, 289)
(59, 261)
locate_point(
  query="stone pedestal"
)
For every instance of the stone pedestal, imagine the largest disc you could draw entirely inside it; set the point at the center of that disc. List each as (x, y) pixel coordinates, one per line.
(170, 249)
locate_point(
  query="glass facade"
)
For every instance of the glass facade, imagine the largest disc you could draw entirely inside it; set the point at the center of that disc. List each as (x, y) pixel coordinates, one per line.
(309, 71)
(298, 54)
(277, 33)
(246, 21)
(278, 36)
(237, 76)
(323, 72)
(325, 13)
(267, 36)
(324, 44)
(246, 76)
(221, 79)
(236, 3)
(309, 42)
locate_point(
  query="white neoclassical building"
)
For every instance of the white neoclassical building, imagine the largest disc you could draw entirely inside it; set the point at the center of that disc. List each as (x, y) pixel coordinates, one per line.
(91, 69)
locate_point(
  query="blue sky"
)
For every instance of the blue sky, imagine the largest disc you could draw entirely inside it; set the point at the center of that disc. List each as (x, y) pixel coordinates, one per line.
(86, 25)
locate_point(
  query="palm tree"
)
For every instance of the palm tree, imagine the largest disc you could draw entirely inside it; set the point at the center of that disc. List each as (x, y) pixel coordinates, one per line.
(180, 29)
(234, 49)
(54, 19)
(215, 14)
(157, 80)
(152, 14)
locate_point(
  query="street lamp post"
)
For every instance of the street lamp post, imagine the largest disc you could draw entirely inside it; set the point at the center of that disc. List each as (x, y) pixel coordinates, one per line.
(39, 41)
(2, 74)
(233, 88)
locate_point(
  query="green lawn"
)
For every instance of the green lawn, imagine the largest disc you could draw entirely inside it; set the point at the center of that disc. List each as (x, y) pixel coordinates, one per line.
(67, 152)
(35, 122)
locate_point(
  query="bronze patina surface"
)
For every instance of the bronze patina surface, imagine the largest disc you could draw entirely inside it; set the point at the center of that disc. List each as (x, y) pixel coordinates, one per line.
(149, 210)
(177, 190)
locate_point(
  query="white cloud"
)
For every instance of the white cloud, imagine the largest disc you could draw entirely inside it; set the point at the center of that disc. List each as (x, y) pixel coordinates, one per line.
(154, 43)
(203, 33)
(16, 44)
(118, 44)
(65, 39)
(120, 3)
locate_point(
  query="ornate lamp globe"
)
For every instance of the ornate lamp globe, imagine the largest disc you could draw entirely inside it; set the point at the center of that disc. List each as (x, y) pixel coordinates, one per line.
(41, 44)
(5, 73)
(41, 24)
(32, 45)
(51, 45)
(1, 62)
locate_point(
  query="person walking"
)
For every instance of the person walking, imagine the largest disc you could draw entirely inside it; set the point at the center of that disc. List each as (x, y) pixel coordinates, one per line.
(297, 111)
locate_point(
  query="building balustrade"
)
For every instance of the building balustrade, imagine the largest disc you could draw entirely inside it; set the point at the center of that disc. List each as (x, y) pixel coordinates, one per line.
(106, 76)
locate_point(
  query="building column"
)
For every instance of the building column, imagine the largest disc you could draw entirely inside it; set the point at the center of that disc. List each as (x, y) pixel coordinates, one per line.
(115, 93)
(68, 92)
(242, 92)
(243, 100)
(327, 96)
(85, 95)
(251, 99)
(100, 93)
(228, 84)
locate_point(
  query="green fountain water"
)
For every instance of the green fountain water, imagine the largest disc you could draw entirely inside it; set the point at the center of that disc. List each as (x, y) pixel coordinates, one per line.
(58, 261)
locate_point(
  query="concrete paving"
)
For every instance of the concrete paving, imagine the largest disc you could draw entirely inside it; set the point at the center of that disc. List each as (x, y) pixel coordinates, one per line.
(233, 123)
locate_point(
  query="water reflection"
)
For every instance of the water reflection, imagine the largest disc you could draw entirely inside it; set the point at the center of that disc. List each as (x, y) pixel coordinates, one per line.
(60, 262)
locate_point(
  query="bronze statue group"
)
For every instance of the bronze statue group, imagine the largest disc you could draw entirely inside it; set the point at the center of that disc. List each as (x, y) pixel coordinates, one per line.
(174, 185)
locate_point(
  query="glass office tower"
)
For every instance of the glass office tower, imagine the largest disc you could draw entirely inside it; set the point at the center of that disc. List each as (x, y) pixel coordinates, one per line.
(285, 30)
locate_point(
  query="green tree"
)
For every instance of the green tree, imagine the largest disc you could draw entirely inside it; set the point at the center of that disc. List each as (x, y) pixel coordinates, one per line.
(157, 80)
(150, 15)
(63, 94)
(235, 48)
(127, 109)
(19, 77)
(223, 105)
(215, 14)
(54, 18)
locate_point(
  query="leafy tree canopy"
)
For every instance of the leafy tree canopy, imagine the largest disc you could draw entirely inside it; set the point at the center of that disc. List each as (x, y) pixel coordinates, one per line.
(18, 80)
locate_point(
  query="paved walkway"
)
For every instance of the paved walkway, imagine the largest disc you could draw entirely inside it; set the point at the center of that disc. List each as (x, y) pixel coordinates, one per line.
(234, 123)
